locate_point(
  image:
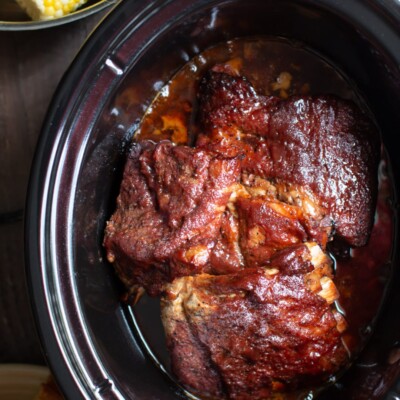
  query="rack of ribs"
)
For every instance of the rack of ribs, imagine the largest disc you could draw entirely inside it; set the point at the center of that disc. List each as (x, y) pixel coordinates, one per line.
(231, 233)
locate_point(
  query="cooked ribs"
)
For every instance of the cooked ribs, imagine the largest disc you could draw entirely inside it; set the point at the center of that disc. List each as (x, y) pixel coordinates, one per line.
(247, 334)
(169, 214)
(232, 234)
(323, 144)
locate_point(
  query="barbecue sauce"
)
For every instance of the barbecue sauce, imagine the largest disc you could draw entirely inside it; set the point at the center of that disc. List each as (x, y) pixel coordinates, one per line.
(283, 68)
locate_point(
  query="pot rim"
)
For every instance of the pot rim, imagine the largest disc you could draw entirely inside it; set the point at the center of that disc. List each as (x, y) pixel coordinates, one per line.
(58, 339)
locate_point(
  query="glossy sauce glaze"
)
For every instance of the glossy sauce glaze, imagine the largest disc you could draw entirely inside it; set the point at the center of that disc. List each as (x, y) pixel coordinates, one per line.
(282, 68)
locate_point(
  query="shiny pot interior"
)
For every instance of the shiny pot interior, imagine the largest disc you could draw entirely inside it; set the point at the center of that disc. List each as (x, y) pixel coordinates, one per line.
(90, 339)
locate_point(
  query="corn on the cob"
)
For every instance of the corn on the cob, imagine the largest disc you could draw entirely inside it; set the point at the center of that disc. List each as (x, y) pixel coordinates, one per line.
(49, 9)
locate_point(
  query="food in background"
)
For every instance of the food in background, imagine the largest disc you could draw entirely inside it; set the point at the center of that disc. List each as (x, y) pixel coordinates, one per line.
(49, 9)
(49, 390)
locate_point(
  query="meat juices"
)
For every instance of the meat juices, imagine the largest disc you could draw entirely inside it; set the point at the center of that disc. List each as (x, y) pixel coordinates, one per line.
(232, 235)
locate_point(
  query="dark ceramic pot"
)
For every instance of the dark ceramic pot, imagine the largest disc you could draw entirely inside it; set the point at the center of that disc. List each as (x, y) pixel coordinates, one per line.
(93, 343)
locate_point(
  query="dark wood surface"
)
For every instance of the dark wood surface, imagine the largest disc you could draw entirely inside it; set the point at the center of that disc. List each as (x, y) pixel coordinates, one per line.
(31, 66)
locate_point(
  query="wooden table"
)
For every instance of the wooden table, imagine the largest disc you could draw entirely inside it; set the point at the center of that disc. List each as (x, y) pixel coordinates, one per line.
(31, 66)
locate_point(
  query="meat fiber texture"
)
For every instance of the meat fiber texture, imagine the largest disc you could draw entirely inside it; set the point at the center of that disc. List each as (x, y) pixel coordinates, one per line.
(232, 234)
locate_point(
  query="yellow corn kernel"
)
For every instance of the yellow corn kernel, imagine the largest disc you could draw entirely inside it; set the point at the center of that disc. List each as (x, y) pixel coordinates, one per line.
(49, 9)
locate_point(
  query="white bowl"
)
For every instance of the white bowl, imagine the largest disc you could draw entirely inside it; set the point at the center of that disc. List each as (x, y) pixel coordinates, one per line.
(21, 381)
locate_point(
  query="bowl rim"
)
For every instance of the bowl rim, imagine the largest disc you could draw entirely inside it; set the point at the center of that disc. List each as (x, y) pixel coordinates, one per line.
(76, 15)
